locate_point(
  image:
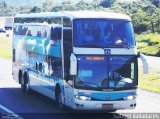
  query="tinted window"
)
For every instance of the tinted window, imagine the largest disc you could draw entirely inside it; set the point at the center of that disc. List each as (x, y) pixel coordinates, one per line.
(103, 33)
(20, 30)
(30, 20)
(67, 22)
(38, 31)
(67, 35)
(55, 66)
(103, 72)
(55, 21)
(67, 30)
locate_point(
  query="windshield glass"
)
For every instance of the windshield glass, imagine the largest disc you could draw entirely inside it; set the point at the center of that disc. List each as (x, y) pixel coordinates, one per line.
(92, 71)
(103, 33)
(106, 72)
(122, 71)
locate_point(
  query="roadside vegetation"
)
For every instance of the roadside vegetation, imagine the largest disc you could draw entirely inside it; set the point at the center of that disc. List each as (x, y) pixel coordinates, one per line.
(151, 81)
(145, 14)
(149, 44)
(5, 47)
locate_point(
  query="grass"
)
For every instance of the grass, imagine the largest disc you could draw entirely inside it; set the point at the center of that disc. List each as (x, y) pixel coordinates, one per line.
(5, 47)
(149, 50)
(150, 82)
(149, 44)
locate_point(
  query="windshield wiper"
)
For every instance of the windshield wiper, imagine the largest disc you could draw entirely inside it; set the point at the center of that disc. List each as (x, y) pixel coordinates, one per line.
(81, 83)
(123, 45)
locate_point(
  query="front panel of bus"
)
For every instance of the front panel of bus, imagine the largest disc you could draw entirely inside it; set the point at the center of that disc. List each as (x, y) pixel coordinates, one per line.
(107, 70)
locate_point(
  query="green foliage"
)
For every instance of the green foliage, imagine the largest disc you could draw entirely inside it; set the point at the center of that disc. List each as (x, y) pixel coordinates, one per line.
(151, 81)
(107, 3)
(36, 9)
(151, 39)
(5, 47)
(149, 44)
(145, 14)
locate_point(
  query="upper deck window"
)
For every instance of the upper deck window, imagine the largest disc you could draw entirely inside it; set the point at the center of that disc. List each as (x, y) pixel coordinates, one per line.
(103, 33)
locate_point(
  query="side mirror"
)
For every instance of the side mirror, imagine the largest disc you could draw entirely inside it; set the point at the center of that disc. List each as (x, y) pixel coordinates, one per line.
(73, 65)
(145, 63)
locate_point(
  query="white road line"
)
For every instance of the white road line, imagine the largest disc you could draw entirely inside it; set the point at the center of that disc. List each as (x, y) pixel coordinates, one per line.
(10, 112)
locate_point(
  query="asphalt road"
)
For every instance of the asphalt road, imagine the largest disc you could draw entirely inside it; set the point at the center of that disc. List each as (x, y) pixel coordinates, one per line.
(154, 62)
(37, 106)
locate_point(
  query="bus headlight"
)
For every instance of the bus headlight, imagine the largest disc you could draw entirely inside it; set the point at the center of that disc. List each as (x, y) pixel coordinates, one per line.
(82, 97)
(129, 97)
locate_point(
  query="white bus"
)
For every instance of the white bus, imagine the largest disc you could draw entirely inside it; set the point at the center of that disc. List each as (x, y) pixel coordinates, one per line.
(83, 59)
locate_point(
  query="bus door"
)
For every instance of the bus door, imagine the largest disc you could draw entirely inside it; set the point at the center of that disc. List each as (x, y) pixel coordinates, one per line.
(67, 50)
(69, 92)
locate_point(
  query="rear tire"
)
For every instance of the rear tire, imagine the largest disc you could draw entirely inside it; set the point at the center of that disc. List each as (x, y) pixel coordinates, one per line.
(26, 86)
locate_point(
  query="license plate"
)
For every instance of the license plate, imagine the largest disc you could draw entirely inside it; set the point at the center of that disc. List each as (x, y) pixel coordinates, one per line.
(107, 106)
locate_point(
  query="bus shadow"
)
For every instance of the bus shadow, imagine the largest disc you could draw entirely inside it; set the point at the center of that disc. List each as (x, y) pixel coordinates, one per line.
(37, 106)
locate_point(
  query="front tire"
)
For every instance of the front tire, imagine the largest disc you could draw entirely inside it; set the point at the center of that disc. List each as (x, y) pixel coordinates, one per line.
(59, 99)
(112, 111)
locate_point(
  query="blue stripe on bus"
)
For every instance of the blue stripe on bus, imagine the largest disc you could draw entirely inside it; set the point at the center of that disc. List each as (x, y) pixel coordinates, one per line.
(103, 96)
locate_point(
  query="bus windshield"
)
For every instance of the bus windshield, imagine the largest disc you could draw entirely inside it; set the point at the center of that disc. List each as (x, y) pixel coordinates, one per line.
(102, 72)
(103, 33)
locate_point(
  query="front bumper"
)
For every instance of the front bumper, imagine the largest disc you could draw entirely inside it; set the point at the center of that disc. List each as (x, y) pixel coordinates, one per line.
(97, 105)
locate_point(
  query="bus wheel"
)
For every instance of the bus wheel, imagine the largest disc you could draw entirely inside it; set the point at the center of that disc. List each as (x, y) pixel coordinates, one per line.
(59, 99)
(26, 86)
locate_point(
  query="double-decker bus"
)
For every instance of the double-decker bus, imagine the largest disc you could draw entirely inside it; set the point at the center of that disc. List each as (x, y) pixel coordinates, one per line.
(85, 60)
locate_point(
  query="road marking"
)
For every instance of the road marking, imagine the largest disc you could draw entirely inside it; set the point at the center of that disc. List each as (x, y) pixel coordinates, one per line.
(10, 112)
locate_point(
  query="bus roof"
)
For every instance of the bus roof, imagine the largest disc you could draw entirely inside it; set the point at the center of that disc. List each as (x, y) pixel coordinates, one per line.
(77, 14)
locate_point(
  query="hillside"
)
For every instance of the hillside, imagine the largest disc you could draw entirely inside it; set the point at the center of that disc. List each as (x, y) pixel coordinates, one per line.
(22, 2)
(144, 13)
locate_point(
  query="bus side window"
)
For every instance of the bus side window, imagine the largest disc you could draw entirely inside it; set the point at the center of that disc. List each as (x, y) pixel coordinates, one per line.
(15, 30)
(36, 66)
(56, 34)
(55, 67)
(56, 20)
(39, 34)
(44, 33)
(40, 67)
(29, 33)
(67, 22)
(67, 35)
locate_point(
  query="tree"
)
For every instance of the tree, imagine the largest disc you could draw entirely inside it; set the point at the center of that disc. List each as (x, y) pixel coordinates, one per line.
(48, 5)
(84, 6)
(4, 4)
(36, 9)
(156, 3)
(107, 3)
